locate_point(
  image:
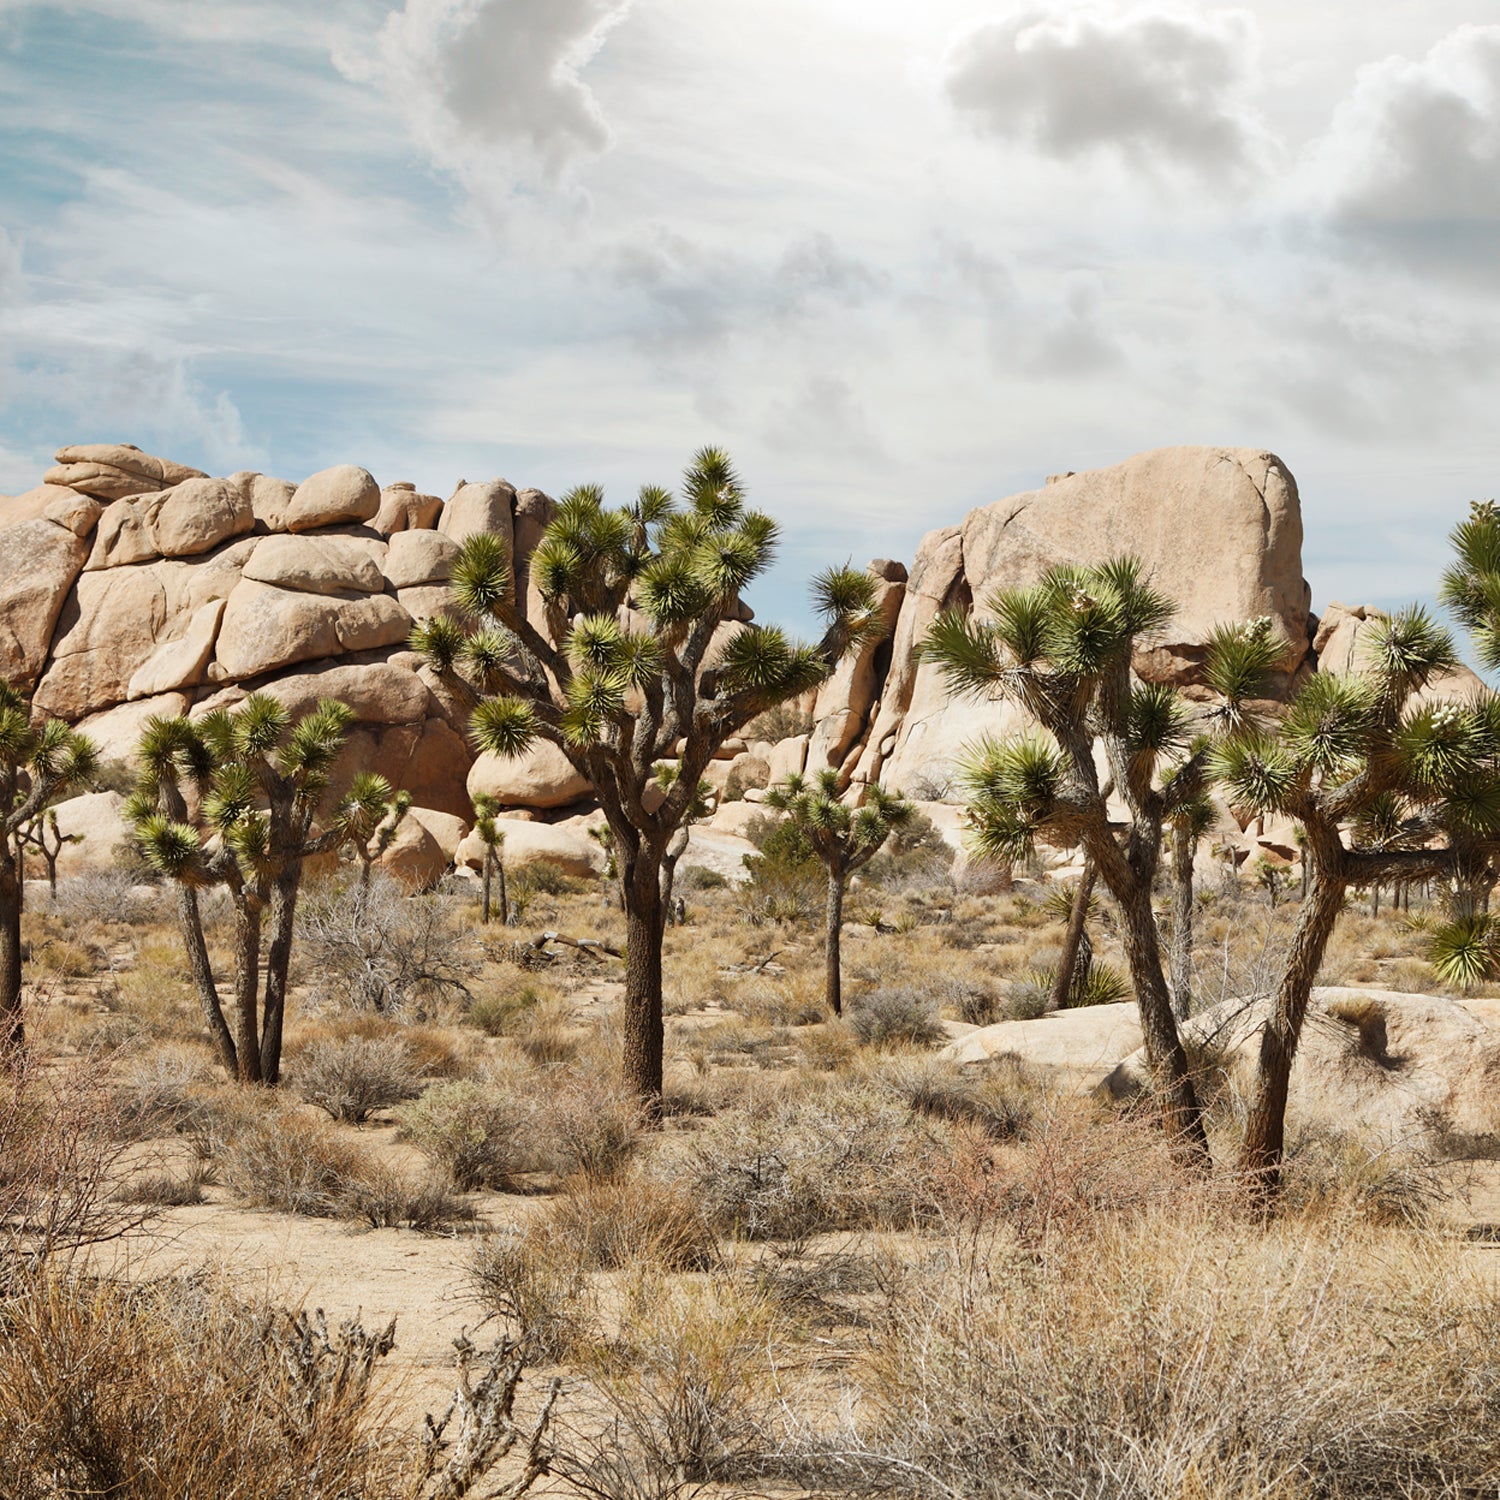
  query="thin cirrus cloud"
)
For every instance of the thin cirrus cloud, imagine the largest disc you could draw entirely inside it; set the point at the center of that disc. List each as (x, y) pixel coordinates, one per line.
(1158, 89)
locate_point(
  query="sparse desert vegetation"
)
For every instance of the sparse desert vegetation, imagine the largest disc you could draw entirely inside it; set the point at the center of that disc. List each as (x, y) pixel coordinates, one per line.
(842, 1264)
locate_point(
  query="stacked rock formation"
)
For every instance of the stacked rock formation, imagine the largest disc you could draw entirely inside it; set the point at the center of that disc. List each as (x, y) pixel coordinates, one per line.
(131, 586)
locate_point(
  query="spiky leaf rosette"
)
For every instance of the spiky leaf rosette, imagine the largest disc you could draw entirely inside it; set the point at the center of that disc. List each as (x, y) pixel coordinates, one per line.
(1465, 952)
(1011, 788)
(1471, 587)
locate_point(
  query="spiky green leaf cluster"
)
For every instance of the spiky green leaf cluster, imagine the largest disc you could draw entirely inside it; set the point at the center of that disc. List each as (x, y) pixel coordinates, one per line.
(843, 835)
(1010, 788)
(1466, 951)
(1471, 587)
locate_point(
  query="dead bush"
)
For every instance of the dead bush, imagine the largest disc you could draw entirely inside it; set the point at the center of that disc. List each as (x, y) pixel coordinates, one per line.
(595, 1129)
(354, 1076)
(1176, 1355)
(893, 1016)
(479, 1135)
(784, 1165)
(378, 948)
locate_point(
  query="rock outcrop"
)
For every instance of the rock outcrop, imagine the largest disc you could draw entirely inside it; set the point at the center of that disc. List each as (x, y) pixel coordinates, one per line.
(132, 585)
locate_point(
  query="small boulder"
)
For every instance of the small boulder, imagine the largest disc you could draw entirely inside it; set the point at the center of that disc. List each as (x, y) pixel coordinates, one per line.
(403, 508)
(527, 844)
(266, 627)
(333, 497)
(541, 777)
(316, 565)
(479, 507)
(197, 516)
(416, 559)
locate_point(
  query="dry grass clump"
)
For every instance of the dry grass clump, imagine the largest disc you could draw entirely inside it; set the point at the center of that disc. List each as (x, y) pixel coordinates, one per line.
(538, 1276)
(478, 1135)
(175, 1390)
(895, 1016)
(808, 1159)
(279, 1158)
(999, 1097)
(1177, 1355)
(690, 1384)
(352, 1077)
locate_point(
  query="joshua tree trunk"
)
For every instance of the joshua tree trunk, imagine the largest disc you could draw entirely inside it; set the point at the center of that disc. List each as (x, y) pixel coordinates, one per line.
(1265, 1127)
(1181, 1115)
(834, 986)
(190, 918)
(489, 870)
(504, 898)
(278, 968)
(1182, 925)
(12, 1025)
(246, 987)
(1062, 985)
(645, 922)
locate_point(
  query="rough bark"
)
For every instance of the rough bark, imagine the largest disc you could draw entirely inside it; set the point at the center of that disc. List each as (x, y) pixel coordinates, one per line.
(246, 987)
(644, 927)
(1182, 1117)
(1265, 1126)
(12, 1023)
(489, 871)
(190, 919)
(1062, 984)
(834, 983)
(1182, 925)
(278, 969)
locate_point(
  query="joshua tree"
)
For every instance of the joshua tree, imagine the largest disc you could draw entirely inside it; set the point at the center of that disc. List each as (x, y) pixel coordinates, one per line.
(370, 815)
(261, 782)
(1190, 822)
(1062, 650)
(845, 839)
(1350, 752)
(44, 836)
(640, 659)
(37, 762)
(492, 836)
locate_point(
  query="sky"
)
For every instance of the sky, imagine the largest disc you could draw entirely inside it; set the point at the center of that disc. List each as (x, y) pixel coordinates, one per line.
(901, 259)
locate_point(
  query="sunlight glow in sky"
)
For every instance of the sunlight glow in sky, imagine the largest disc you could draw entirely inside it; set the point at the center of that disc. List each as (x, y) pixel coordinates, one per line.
(900, 259)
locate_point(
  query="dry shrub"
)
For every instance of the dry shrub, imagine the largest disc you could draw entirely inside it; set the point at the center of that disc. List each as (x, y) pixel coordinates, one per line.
(276, 1157)
(100, 898)
(59, 1149)
(537, 1277)
(1336, 1173)
(895, 1016)
(689, 1383)
(611, 1225)
(545, 1033)
(353, 1077)
(162, 1092)
(595, 1128)
(999, 1097)
(542, 1294)
(175, 1390)
(786, 1164)
(1179, 1355)
(378, 948)
(436, 1051)
(167, 1189)
(479, 1135)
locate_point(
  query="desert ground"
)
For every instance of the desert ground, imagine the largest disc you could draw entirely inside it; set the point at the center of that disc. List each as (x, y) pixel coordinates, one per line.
(849, 1260)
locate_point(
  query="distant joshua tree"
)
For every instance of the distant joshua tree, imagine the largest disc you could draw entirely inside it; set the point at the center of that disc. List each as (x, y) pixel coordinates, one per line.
(38, 761)
(260, 782)
(641, 660)
(845, 838)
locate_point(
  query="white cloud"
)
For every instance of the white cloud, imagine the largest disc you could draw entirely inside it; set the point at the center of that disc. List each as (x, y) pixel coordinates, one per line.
(1160, 89)
(492, 90)
(1410, 167)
